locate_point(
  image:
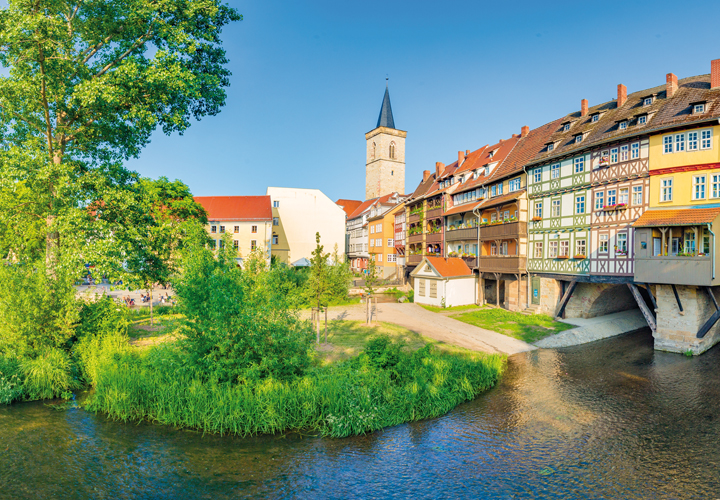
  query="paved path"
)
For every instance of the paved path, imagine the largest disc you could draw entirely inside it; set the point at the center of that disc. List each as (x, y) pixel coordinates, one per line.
(436, 326)
(592, 329)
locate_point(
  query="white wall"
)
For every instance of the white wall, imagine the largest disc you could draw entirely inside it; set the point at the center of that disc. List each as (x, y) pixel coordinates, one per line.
(461, 291)
(303, 213)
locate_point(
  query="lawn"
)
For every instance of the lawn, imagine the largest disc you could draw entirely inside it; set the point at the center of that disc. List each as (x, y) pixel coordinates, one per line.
(527, 327)
(348, 338)
(140, 331)
(436, 309)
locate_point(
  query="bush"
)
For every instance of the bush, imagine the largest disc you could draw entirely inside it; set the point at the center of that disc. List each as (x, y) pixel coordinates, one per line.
(48, 374)
(11, 386)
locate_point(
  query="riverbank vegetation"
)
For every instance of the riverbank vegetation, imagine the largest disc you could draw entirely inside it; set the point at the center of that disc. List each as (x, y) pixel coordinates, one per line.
(527, 327)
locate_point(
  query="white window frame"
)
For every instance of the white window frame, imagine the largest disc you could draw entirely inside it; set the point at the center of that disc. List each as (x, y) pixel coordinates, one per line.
(276, 204)
(564, 244)
(706, 137)
(635, 151)
(580, 204)
(580, 247)
(698, 109)
(390, 242)
(668, 144)
(537, 176)
(595, 118)
(623, 125)
(551, 146)
(693, 141)
(611, 195)
(614, 155)
(699, 187)
(624, 153)
(599, 200)
(604, 243)
(679, 140)
(555, 171)
(642, 120)
(715, 186)
(538, 208)
(624, 196)
(579, 164)
(637, 195)
(647, 101)
(556, 206)
(538, 250)
(666, 190)
(553, 249)
(566, 127)
(622, 237)
(578, 138)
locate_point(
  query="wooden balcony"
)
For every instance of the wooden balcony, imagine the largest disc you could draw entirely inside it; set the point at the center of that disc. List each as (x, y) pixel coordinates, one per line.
(673, 270)
(433, 238)
(413, 218)
(415, 238)
(413, 260)
(509, 230)
(510, 264)
(434, 213)
(468, 234)
(470, 261)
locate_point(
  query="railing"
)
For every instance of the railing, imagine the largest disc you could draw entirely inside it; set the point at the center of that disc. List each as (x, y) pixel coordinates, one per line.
(502, 264)
(503, 231)
(434, 213)
(414, 259)
(415, 238)
(433, 238)
(470, 261)
(414, 218)
(469, 233)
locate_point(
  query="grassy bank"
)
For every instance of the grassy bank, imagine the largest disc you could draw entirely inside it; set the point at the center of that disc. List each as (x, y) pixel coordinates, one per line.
(527, 327)
(360, 383)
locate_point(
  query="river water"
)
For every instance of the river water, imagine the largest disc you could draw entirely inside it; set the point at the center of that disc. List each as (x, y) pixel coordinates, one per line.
(613, 419)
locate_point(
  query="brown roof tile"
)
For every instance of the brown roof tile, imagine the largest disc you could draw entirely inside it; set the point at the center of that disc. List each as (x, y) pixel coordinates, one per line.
(450, 267)
(237, 208)
(677, 217)
(348, 205)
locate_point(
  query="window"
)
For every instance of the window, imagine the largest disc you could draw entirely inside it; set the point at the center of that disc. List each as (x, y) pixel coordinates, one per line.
(621, 244)
(624, 196)
(647, 101)
(379, 257)
(276, 204)
(642, 120)
(564, 248)
(213, 229)
(493, 249)
(578, 138)
(252, 230)
(372, 229)
(555, 212)
(506, 215)
(538, 250)
(514, 185)
(698, 187)
(551, 146)
(372, 242)
(624, 153)
(566, 127)
(595, 118)
(666, 186)
(275, 239)
(222, 229)
(611, 197)
(715, 186)
(579, 164)
(493, 217)
(637, 195)
(679, 142)
(698, 108)
(392, 150)
(667, 144)
(692, 141)
(706, 142)
(236, 229)
(599, 200)
(391, 242)
(221, 243)
(372, 155)
(391, 257)
(635, 151)
(378, 242)
(614, 155)
(623, 125)
(580, 204)
(555, 171)
(236, 245)
(538, 209)
(421, 288)
(537, 176)
(378, 228)
(493, 191)
(579, 247)
(504, 248)
(553, 249)
(500, 188)
(603, 248)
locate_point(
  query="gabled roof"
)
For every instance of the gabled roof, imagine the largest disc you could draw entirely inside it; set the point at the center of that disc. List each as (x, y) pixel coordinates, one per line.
(449, 267)
(386, 117)
(236, 208)
(383, 200)
(499, 200)
(348, 205)
(526, 148)
(677, 217)
(465, 207)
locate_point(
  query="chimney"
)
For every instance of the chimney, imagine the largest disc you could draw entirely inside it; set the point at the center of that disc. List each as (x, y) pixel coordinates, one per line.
(622, 95)
(524, 131)
(467, 152)
(715, 74)
(584, 107)
(671, 85)
(438, 168)
(426, 175)
(461, 157)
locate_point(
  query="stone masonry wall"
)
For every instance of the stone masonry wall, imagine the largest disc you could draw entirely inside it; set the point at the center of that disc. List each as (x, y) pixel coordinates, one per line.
(677, 332)
(549, 295)
(512, 301)
(598, 299)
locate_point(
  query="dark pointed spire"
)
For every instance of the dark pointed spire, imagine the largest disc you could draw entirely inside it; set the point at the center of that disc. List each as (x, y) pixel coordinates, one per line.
(386, 117)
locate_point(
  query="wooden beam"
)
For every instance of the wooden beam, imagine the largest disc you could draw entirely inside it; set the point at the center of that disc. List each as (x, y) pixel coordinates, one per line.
(712, 296)
(583, 278)
(708, 324)
(652, 298)
(649, 317)
(565, 298)
(677, 299)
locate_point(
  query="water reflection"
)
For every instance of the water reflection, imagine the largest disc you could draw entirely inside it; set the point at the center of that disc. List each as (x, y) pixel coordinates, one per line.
(613, 419)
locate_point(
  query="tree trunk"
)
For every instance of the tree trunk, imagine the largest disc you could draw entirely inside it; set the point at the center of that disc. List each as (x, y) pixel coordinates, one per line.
(326, 325)
(151, 305)
(318, 326)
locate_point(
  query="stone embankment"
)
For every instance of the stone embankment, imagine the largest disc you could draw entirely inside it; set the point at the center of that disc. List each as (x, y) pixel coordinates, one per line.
(598, 328)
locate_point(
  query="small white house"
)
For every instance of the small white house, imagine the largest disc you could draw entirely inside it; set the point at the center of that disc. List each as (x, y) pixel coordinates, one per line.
(448, 282)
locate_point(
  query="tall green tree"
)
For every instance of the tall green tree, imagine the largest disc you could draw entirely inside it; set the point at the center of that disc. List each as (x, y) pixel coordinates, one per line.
(88, 82)
(319, 287)
(168, 209)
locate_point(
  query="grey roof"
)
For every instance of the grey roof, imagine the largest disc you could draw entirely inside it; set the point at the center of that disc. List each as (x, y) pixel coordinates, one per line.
(386, 118)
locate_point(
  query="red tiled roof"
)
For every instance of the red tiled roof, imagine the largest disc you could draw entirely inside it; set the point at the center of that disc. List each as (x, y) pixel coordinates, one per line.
(361, 208)
(236, 207)
(525, 149)
(677, 217)
(383, 200)
(348, 205)
(499, 200)
(467, 207)
(449, 267)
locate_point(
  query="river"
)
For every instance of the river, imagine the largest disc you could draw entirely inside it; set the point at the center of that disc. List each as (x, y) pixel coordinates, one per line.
(612, 419)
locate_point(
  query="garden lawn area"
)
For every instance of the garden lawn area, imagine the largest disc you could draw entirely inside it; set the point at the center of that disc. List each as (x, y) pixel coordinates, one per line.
(436, 309)
(527, 327)
(346, 339)
(165, 322)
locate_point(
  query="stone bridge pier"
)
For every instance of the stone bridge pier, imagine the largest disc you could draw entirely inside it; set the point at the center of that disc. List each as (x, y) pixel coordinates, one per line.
(681, 317)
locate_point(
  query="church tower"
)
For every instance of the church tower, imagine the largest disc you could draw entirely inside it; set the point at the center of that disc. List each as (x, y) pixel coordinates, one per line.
(385, 164)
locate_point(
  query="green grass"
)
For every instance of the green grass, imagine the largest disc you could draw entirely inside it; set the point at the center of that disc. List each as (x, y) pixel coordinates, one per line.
(347, 339)
(436, 309)
(527, 327)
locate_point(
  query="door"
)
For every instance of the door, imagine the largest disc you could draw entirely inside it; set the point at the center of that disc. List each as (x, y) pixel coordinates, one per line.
(536, 291)
(657, 246)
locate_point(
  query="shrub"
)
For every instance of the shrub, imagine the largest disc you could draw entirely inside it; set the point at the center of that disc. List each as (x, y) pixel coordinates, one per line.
(11, 387)
(48, 374)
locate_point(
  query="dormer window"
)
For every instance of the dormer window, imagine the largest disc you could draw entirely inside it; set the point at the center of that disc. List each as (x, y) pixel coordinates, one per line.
(623, 125)
(492, 153)
(595, 117)
(647, 101)
(578, 138)
(642, 120)
(566, 127)
(550, 146)
(698, 107)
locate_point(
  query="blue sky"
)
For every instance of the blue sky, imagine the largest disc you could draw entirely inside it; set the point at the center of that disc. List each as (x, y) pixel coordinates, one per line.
(309, 77)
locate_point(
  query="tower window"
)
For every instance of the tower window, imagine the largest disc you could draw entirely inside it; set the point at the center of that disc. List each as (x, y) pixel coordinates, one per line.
(373, 151)
(392, 150)
(392, 172)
